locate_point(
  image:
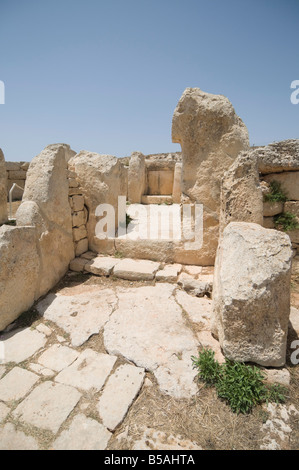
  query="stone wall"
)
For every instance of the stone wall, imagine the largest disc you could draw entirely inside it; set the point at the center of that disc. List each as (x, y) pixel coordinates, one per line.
(3, 189)
(16, 173)
(36, 253)
(247, 182)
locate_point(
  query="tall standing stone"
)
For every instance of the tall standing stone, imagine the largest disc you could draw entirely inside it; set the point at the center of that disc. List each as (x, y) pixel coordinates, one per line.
(46, 206)
(136, 178)
(251, 294)
(211, 136)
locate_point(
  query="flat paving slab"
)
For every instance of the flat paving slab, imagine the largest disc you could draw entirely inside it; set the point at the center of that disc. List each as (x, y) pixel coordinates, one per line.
(19, 345)
(83, 434)
(58, 357)
(48, 406)
(136, 270)
(89, 371)
(113, 405)
(16, 384)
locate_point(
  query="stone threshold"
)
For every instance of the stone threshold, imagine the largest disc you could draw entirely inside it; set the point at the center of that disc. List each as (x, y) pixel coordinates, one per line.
(196, 279)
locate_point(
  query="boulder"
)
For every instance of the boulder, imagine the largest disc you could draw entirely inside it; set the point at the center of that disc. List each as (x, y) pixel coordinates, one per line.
(3, 189)
(19, 272)
(251, 294)
(211, 136)
(136, 178)
(102, 178)
(46, 206)
(278, 157)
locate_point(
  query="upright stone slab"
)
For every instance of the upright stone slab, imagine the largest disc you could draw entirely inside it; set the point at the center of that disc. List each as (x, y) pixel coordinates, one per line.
(102, 178)
(46, 206)
(3, 189)
(136, 177)
(251, 294)
(211, 136)
(19, 272)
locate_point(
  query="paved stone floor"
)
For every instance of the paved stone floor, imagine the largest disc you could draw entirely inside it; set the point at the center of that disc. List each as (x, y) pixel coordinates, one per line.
(83, 371)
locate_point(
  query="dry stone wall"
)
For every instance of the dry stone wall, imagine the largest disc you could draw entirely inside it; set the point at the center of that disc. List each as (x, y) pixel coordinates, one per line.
(3, 189)
(16, 173)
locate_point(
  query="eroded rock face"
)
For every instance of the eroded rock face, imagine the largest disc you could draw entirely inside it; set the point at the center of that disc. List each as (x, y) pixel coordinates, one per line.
(102, 178)
(251, 293)
(45, 205)
(19, 271)
(3, 189)
(211, 136)
(241, 193)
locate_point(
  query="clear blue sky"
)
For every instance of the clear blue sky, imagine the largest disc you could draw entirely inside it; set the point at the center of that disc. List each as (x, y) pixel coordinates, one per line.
(106, 75)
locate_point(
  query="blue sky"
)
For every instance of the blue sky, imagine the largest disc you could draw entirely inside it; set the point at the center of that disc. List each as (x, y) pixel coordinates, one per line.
(106, 75)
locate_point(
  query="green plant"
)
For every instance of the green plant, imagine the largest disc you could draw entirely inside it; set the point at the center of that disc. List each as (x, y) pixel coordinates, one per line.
(276, 193)
(119, 254)
(209, 369)
(286, 221)
(241, 385)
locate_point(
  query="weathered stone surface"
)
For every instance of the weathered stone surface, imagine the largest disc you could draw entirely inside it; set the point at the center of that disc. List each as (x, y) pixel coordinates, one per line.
(241, 192)
(79, 218)
(136, 177)
(193, 270)
(44, 329)
(4, 410)
(47, 207)
(81, 315)
(12, 439)
(159, 341)
(278, 376)
(48, 406)
(211, 136)
(113, 405)
(101, 265)
(21, 344)
(89, 371)
(153, 439)
(169, 273)
(19, 272)
(177, 187)
(16, 384)
(289, 181)
(199, 309)
(81, 246)
(206, 340)
(83, 434)
(97, 175)
(58, 357)
(272, 208)
(136, 270)
(294, 320)
(79, 233)
(78, 264)
(292, 207)
(268, 222)
(278, 157)
(201, 286)
(251, 294)
(77, 203)
(3, 190)
(160, 182)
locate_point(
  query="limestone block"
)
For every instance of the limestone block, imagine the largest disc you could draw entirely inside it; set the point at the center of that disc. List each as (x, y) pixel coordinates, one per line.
(289, 181)
(251, 294)
(136, 177)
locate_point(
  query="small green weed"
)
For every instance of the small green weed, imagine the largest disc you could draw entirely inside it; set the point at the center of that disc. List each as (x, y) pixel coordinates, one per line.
(276, 193)
(286, 221)
(240, 385)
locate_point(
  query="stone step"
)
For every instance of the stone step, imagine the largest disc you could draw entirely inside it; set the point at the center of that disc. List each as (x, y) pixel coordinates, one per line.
(156, 199)
(194, 279)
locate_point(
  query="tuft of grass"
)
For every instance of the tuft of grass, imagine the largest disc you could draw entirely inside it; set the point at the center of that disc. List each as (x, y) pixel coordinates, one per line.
(286, 221)
(241, 385)
(276, 193)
